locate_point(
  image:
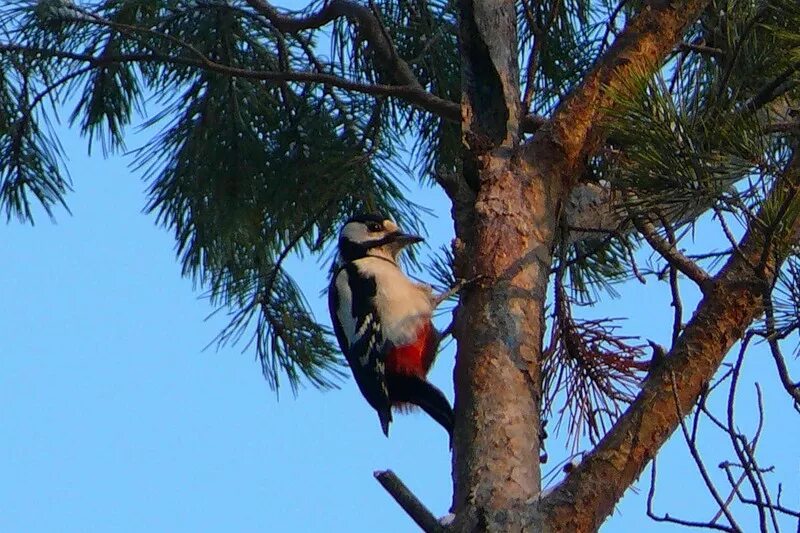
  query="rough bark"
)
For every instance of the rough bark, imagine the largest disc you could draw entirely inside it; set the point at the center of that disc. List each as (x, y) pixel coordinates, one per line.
(576, 129)
(504, 236)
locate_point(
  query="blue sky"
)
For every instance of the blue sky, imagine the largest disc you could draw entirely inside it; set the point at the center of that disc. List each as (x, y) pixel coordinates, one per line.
(114, 418)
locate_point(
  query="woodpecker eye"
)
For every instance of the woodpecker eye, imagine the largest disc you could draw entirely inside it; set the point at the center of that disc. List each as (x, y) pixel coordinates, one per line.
(374, 227)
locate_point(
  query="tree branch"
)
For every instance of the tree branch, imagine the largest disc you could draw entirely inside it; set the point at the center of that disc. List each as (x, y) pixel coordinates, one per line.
(410, 503)
(370, 28)
(701, 49)
(651, 494)
(771, 90)
(720, 320)
(791, 387)
(671, 254)
(691, 444)
(575, 130)
(422, 98)
(406, 88)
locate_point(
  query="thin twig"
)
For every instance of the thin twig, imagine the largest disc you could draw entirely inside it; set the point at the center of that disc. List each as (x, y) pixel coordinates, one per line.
(777, 355)
(671, 253)
(410, 503)
(455, 289)
(695, 453)
(677, 303)
(731, 496)
(444, 108)
(651, 493)
(701, 49)
(753, 464)
(735, 437)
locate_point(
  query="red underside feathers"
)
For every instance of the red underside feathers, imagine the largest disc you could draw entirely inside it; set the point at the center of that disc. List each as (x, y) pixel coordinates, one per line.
(414, 359)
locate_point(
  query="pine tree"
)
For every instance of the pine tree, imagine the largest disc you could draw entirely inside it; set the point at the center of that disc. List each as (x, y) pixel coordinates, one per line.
(571, 136)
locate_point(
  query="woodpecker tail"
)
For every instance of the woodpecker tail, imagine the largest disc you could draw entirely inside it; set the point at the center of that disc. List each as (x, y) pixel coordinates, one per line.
(386, 417)
(413, 389)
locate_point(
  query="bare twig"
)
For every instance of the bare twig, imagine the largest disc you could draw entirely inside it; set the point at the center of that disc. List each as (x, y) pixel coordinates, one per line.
(610, 28)
(736, 439)
(770, 91)
(750, 450)
(677, 303)
(701, 49)
(369, 27)
(455, 289)
(429, 102)
(734, 491)
(671, 253)
(539, 32)
(651, 494)
(691, 444)
(791, 387)
(410, 503)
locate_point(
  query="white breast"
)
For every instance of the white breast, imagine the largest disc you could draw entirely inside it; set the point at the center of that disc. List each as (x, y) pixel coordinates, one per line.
(402, 305)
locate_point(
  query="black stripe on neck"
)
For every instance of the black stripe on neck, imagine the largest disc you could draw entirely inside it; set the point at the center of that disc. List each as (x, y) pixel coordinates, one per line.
(351, 251)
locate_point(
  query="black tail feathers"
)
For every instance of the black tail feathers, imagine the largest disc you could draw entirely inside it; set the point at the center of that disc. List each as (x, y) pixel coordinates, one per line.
(415, 390)
(386, 418)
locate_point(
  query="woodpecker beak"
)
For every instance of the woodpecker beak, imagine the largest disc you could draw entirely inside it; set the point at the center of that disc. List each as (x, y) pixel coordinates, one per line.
(404, 239)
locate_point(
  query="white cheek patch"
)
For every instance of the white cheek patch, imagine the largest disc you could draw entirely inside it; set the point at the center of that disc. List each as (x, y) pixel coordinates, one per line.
(355, 232)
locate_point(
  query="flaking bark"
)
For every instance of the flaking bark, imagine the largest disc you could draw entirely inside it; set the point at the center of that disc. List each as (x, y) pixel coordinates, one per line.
(507, 236)
(504, 236)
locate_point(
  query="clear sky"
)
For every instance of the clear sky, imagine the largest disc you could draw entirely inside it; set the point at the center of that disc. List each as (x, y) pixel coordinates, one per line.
(114, 418)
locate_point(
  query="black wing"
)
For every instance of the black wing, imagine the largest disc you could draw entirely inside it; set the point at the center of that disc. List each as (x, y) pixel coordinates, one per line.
(366, 352)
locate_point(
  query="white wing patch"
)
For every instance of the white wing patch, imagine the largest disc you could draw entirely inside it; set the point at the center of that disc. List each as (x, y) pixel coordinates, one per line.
(370, 329)
(368, 321)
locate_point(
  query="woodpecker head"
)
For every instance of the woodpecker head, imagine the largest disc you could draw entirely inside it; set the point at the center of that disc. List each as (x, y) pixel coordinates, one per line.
(375, 235)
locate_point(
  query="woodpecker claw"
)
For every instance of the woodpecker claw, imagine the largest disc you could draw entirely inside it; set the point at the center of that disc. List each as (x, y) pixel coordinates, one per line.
(455, 289)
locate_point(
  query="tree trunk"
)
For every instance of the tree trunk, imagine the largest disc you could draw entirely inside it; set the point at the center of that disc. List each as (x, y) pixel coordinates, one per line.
(505, 235)
(504, 232)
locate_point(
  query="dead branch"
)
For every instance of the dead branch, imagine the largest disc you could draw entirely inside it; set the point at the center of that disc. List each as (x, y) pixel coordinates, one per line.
(671, 254)
(691, 444)
(651, 494)
(410, 503)
(791, 387)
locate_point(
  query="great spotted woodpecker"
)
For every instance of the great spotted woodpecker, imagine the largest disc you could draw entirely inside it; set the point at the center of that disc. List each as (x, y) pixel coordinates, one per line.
(382, 321)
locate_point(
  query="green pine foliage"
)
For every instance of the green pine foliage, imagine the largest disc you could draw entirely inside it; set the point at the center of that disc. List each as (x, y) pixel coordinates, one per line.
(244, 172)
(247, 166)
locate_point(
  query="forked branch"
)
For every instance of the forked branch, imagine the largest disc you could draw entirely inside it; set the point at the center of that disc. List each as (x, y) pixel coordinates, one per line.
(671, 254)
(722, 317)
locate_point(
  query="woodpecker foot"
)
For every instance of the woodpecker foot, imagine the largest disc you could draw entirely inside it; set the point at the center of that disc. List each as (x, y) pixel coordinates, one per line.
(448, 330)
(447, 519)
(455, 289)
(542, 436)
